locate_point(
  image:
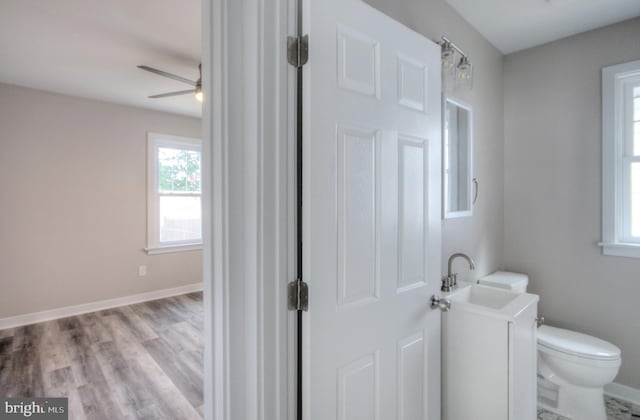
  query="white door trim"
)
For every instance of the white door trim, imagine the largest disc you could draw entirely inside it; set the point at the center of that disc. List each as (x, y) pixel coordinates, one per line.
(214, 73)
(248, 217)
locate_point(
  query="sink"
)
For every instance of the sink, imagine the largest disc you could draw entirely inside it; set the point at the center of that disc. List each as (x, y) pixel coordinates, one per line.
(490, 301)
(489, 354)
(484, 296)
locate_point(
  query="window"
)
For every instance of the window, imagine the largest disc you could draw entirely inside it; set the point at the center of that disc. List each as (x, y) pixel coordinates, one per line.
(621, 160)
(174, 194)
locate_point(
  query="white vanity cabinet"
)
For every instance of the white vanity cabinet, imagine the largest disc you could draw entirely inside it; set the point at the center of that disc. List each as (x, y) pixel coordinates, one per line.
(489, 355)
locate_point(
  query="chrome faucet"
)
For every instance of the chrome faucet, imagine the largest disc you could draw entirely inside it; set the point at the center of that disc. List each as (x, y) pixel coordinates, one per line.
(451, 280)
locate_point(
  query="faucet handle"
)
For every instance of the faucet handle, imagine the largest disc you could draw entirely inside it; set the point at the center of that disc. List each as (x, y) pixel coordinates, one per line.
(449, 282)
(446, 284)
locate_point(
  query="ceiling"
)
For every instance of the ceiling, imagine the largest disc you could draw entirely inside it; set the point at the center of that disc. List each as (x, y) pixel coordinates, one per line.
(90, 48)
(513, 25)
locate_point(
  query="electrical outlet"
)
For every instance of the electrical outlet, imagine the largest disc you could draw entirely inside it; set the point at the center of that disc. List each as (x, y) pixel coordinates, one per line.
(142, 270)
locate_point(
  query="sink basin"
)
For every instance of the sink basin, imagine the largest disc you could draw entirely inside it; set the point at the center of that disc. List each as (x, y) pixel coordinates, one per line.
(490, 301)
(484, 296)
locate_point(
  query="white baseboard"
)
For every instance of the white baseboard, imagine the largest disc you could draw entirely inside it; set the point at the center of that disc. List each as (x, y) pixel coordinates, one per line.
(623, 392)
(33, 318)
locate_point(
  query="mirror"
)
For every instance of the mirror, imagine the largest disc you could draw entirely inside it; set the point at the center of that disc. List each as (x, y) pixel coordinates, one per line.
(457, 168)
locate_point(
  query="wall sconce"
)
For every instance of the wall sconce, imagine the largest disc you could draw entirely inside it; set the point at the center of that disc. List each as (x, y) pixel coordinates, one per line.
(448, 57)
(463, 69)
(464, 72)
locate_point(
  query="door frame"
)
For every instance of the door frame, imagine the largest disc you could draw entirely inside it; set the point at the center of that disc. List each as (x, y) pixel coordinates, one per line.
(249, 252)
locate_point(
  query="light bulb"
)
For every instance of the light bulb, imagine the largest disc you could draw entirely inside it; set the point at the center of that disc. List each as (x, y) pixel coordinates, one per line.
(464, 68)
(199, 94)
(464, 72)
(448, 57)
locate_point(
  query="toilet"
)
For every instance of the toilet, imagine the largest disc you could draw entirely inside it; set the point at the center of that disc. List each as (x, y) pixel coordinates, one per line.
(573, 368)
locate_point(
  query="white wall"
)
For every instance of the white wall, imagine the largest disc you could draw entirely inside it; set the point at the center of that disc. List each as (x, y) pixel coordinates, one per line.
(73, 202)
(481, 236)
(553, 188)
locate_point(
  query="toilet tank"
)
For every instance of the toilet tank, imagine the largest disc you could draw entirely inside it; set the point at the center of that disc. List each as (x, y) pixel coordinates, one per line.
(516, 282)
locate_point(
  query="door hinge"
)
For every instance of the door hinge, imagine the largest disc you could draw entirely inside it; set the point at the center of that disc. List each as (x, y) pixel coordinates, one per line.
(298, 50)
(298, 296)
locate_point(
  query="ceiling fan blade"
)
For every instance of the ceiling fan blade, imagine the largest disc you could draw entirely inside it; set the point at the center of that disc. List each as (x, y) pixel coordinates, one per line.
(169, 75)
(180, 92)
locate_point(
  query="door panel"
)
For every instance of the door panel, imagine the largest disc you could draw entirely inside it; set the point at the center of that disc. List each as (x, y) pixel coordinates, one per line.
(358, 276)
(371, 216)
(412, 396)
(359, 389)
(412, 155)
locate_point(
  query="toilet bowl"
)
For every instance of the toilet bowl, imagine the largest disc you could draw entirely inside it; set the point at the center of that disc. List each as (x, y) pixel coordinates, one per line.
(580, 366)
(575, 366)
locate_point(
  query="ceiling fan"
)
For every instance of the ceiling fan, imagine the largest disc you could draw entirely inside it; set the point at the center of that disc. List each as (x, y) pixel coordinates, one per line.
(196, 84)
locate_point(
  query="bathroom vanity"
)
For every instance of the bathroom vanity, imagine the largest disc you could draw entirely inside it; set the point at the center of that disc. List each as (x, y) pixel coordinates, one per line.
(489, 355)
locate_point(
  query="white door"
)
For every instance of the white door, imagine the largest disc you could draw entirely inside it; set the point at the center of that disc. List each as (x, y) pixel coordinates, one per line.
(371, 214)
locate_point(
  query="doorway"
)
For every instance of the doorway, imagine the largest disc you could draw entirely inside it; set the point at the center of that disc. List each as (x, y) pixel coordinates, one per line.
(90, 309)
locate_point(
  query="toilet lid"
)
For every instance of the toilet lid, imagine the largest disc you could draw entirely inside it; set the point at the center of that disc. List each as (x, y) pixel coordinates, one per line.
(571, 342)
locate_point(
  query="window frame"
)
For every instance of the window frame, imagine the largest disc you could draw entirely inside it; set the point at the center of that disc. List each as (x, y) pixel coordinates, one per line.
(155, 141)
(618, 83)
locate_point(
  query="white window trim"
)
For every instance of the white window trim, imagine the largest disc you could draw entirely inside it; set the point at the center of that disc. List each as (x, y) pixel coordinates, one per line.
(155, 141)
(615, 160)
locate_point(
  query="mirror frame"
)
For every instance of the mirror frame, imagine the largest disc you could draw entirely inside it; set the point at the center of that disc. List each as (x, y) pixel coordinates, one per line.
(446, 213)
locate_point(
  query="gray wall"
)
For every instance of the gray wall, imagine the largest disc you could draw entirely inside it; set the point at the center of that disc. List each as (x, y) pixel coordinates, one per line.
(553, 188)
(73, 194)
(481, 236)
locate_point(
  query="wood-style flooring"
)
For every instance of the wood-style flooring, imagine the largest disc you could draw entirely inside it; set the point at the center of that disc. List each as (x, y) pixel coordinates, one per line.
(143, 361)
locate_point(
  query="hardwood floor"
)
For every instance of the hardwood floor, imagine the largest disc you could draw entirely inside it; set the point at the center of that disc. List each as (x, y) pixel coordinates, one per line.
(142, 361)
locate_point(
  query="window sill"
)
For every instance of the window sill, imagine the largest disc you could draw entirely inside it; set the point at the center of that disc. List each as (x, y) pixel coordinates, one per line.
(173, 249)
(620, 249)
